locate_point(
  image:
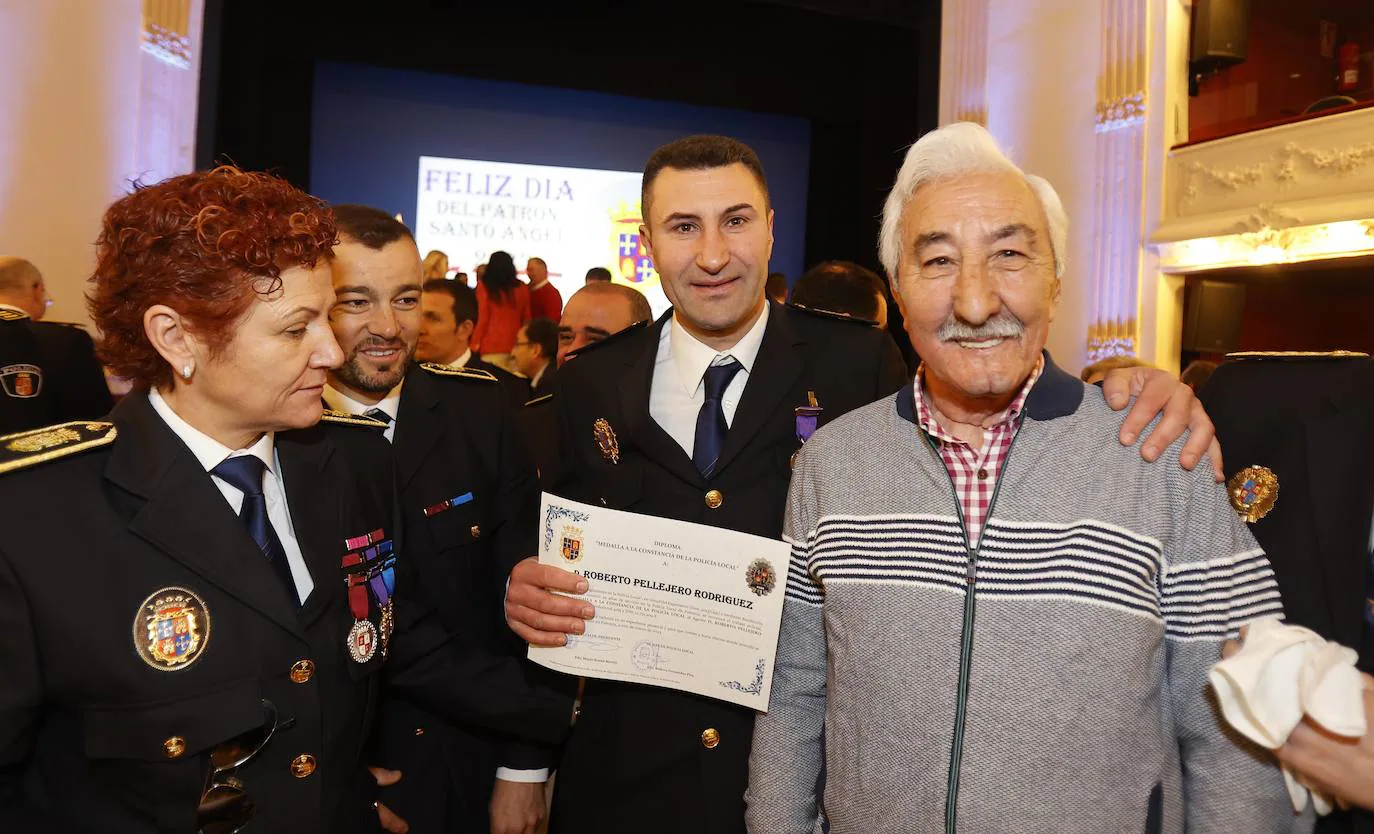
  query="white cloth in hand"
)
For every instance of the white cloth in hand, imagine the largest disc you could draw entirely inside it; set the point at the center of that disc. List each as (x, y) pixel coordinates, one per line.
(1282, 673)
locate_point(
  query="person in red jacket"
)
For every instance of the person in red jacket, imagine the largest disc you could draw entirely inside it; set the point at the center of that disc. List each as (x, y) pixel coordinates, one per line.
(545, 299)
(503, 304)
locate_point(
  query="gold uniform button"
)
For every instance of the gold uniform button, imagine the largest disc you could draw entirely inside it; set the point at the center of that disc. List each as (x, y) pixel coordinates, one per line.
(476, 531)
(710, 737)
(714, 499)
(302, 670)
(174, 747)
(303, 765)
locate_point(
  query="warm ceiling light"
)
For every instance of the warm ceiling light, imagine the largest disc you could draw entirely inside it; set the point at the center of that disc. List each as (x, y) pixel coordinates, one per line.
(1343, 239)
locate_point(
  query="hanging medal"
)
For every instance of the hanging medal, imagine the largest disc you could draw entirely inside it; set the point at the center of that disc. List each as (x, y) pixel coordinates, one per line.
(807, 417)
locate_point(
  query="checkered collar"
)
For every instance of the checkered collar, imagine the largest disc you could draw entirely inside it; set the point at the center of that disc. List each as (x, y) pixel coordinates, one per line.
(925, 414)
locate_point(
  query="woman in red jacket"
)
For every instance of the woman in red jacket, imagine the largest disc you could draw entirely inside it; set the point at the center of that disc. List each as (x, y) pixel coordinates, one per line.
(503, 305)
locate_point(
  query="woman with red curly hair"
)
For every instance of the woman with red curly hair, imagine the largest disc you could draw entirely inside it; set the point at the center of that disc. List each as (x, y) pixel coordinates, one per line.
(196, 598)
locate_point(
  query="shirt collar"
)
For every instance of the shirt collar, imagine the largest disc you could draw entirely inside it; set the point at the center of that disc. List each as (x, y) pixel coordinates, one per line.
(692, 358)
(209, 452)
(339, 401)
(462, 360)
(534, 287)
(925, 414)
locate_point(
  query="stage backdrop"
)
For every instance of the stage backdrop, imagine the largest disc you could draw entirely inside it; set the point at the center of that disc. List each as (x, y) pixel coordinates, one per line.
(476, 166)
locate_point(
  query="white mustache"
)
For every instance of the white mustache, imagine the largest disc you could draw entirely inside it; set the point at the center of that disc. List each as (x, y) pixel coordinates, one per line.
(1003, 326)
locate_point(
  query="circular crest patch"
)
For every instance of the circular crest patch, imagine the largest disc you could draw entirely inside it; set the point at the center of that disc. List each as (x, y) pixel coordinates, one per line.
(172, 629)
(362, 641)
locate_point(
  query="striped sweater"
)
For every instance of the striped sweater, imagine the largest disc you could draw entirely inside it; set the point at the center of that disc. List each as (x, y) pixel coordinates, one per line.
(1103, 589)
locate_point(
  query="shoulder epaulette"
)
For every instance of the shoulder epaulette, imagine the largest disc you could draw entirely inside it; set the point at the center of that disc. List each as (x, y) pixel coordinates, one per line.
(831, 314)
(1293, 355)
(345, 419)
(540, 399)
(614, 337)
(466, 373)
(6, 314)
(29, 448)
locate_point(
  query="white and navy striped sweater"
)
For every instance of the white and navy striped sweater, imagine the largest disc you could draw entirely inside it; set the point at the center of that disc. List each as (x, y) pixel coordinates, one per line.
(1104, 589)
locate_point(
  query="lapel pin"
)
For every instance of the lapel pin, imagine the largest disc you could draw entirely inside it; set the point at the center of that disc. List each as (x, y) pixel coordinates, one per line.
(605, 440)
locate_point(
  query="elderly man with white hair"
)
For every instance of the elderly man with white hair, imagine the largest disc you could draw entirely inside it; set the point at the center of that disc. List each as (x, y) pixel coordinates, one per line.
(998, 618)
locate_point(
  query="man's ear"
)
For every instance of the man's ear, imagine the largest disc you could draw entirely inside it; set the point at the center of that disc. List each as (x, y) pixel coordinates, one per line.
(465, 330)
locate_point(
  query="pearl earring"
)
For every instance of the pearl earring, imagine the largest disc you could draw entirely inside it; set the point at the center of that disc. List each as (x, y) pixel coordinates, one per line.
(185, 371)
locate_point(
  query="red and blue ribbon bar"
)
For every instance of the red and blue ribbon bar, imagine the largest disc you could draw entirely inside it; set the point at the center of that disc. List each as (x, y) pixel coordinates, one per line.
(435, 509)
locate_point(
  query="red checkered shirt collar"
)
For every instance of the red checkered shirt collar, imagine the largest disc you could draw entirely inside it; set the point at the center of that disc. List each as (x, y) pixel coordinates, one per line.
(974, 472)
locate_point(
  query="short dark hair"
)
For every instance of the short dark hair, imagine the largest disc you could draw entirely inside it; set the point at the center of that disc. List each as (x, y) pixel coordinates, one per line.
(839, 287)
(543, 333)
(598, 273)
(370, 226)
(464, 299)
(775, 285)
(700, 153)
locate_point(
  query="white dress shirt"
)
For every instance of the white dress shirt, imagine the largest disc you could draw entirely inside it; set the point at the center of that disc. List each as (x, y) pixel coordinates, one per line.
(389, 404)
(677, 391)
(462, 361)
(211, 453)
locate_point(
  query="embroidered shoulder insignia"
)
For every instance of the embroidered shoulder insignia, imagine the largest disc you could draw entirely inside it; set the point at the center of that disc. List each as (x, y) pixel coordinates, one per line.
(1293, 355)
(7, 314)
(540, 399)
(346, 419)
(465, 373)
(831, 314)
(611, 339)
(29, 448)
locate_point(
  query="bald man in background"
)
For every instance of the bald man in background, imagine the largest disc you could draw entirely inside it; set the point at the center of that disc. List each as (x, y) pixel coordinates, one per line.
(48, 371)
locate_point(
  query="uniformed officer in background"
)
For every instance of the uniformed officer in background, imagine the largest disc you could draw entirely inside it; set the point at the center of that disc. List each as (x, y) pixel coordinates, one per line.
(697, 418)
(1298, 430)
(204, 592)
(471, 502)
(449, 314)
(48, 371)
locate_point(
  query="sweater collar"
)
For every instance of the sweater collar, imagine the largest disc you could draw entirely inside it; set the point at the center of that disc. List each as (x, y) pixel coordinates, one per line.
(1055, 394)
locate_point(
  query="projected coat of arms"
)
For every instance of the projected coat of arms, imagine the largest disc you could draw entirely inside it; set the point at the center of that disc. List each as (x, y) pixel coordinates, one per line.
(633, 264)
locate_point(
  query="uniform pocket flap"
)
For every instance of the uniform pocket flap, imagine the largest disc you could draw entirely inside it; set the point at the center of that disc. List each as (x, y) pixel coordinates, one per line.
(173, 729)
(459, 525)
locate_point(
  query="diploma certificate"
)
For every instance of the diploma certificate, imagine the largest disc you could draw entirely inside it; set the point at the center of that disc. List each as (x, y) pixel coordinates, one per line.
(680, 605)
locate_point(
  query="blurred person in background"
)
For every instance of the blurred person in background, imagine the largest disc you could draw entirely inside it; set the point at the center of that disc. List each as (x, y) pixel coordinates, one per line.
(545, 299)
(503, 304)
(435, 265)
(843, 287)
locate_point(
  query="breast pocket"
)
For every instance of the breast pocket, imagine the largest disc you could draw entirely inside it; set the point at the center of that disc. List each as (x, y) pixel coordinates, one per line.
(454, 526)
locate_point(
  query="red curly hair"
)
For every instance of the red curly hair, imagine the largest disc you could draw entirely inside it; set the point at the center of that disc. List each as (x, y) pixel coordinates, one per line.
(204, 244)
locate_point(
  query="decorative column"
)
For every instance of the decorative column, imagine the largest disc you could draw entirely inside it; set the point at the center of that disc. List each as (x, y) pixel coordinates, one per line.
(964, 61)
(1119, 197)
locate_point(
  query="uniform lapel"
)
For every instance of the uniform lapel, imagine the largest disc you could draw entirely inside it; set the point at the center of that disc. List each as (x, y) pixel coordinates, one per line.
(180, 511)
(316, 514)
(645, 432)
(776, 369)
(1341, 468)
(419, 423)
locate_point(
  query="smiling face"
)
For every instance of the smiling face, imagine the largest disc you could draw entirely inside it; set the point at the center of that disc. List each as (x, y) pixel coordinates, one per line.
(377, 315)
(976, 283)
(710, 233)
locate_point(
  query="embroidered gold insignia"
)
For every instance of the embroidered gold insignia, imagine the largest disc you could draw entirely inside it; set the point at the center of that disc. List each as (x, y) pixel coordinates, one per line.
(466, 373)
(605, 440)
(38, 445)
(172, 629)
(1253, 490)
(345, 419)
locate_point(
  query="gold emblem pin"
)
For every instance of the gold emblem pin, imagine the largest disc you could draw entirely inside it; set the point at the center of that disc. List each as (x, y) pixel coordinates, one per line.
(171, 629)
(1253, 490)
(605, 440)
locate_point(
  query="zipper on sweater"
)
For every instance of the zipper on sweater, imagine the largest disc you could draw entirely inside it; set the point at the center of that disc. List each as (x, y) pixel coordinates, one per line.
(956, 753)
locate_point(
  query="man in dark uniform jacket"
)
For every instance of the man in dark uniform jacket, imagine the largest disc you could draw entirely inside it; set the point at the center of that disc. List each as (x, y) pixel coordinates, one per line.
(48, 371)
(104, 730)
(449, 316)
(470, 498)
(694, 418)
(1308, 419)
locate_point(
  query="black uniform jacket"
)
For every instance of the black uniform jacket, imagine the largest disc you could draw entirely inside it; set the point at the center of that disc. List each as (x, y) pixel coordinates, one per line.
(517, 387)
(1311, 422)
(48, 374)
(471, 500)
(105, 726)
(635, 761)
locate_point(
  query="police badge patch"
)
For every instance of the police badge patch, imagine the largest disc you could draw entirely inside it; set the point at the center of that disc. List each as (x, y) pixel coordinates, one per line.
(1253, 491)
(760, 578)
(21, 381)
(172, 629)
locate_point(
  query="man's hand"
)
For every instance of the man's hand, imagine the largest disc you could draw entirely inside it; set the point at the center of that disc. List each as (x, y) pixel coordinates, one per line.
(1340, 766)
(1157, 392)
(517, 807)
(540, 617)
(390, 822)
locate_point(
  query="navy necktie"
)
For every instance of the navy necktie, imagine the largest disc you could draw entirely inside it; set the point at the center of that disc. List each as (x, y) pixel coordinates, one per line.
(244, 473)
(711, 427)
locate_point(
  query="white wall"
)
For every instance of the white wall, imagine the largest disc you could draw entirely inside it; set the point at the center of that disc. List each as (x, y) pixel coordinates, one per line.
(69, 94)
(1043, 61)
